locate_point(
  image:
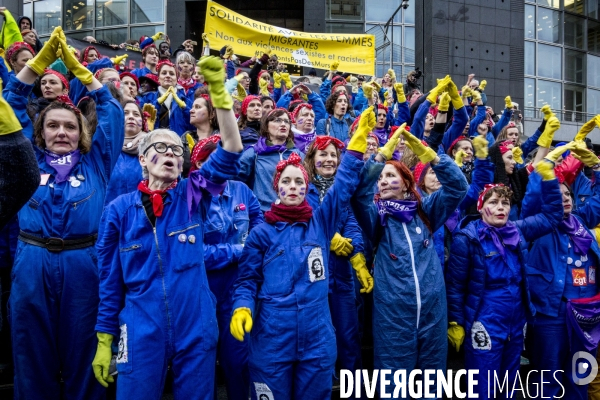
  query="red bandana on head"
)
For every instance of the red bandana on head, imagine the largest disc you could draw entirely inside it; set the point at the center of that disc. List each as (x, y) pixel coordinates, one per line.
(246, 103)
(162, 63)
(486, 189)
(156, 196)
(295, 160)
(58, 75)
(505, 146)
(198, 154)
(16, 47)
(458, 139)
(298, 109)
(321, 142)
(67, 101)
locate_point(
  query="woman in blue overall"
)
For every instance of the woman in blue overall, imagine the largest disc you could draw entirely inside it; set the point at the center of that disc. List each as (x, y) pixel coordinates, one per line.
(232, 214)
(561, 265)
(488, 294)
(54, 296)
(283, 282)
(337, 124)
(259, 160)
(346, 252)
(409, 314)
(153, 286)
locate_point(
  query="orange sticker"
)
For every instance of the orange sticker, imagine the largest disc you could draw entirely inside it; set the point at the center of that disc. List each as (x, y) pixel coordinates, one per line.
(579, 278)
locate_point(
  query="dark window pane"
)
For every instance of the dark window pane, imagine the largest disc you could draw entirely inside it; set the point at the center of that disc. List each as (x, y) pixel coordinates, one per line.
(78, 14)
(574, 66)
(147, 11)
(112, 36)
(111, 12)
(574, 31)
(548, 25)
(593, 66)
(139, 31)
(593, 8)
(575, 6)
(79, 34)
(574, 103)
(340, 27)
(593, 34)
(351, 10)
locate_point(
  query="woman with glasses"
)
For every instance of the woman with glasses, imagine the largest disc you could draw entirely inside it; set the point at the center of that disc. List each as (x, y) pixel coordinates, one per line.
(154, 293)
(276, 143)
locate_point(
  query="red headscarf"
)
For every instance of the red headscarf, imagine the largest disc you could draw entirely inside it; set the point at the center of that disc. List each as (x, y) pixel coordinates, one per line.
(382, 107)
(420, 171)
(505, 146)
(85, 54)
(321, 142)
(162, 63)
(458, 139)
(130, 75)
(297, 110)
(295, 160)
(246, 103)
(486, 189)
(16, 47)
(199, 153)
(60, 76)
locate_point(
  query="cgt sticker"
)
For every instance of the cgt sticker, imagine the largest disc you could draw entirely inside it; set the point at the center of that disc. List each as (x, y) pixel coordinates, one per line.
(579, 277)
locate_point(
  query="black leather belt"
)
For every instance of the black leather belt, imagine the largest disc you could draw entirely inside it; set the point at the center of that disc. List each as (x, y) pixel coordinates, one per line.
(57, 244)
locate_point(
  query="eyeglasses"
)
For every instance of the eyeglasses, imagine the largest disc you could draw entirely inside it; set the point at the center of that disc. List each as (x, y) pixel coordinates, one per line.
(373, 145)
(161, 148)
(280, 120)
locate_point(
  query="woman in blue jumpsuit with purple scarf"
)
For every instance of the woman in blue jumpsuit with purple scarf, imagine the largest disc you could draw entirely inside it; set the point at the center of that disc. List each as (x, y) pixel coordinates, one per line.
(54, 296)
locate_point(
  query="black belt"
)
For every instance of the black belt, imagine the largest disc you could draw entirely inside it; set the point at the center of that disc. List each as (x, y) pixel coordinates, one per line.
(57, 244)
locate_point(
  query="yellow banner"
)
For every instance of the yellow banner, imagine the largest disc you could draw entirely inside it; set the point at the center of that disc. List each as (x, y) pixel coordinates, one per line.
(355, 53)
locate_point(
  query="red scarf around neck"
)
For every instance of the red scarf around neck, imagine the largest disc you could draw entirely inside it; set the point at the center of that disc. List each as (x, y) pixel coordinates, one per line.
(156, 196)
(290, 214)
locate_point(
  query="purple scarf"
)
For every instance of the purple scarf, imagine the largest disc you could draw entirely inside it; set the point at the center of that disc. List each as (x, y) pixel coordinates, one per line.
(402, 210)
(582, 240)
(382, 135)
(63, 165)
(452, 221)
(583, 322)
(507, 236)
(262, 147)
(196, 183)
(303, 140)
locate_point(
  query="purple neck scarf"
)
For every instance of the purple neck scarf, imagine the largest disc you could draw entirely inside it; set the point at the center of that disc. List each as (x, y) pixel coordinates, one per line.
(452, 221)
(262, 147)
(580, 237)
(63, 165)
(302, 140)
(381, 134)
(583, 322)
(196, 183)
(402, 210)
(507, 236)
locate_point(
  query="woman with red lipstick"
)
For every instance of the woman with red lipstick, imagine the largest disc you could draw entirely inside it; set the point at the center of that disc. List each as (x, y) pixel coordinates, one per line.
(488, 292)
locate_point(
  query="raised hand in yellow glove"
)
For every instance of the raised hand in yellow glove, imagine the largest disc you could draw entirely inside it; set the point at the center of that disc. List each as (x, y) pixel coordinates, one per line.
(9, 123)
(547, 112)
(480, 144)
(368, 91)
(555, 154)
(482, 85)
(164, 97)
(334, 66)
(456, 335)
(444, 102)
(517, 155)
(101, 362)
(362, 273)
(340, 245)
(158, 36)
(546, 170)
(179, 102)
(82, 73)
(287, 81)
(228, 52)
(508, 102)
(425, 154)
(442, 84)
(475, 96)
(354, 83)
(388, 149)
(241, 323)
(205, 40)
(399, 88)
(545, 140)
(151, 118)
(466, 92)
(457, 100)
(392, 74)
(214, 75)
(118, 59)
(263, 87)
(47, 54)
(358, 141)
(277, 80)
(581, 152)
(375, 85)
(459, 157)
(585, 130)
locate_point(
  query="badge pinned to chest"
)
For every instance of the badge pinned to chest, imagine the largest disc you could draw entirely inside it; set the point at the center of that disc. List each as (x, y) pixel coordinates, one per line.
(579, 277)
(123, 355)
(480, 339)
(316, 267)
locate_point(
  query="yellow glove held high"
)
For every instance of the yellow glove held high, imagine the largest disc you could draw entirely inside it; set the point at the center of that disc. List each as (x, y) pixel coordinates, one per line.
(214, 75)
(545, 140)
(399, 88)
(480, 144)
(388, 149)
(444, 102)
(358, 141)
(546, 170)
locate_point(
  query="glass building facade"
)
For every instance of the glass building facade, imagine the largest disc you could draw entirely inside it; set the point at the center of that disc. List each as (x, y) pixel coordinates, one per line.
(562, 57)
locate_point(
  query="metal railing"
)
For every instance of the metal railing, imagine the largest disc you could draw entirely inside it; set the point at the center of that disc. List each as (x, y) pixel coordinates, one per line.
(563, 115)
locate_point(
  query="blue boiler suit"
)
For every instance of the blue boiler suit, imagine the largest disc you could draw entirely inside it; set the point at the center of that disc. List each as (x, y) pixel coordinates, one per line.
(409, 315)
(54, 295)
(489, 295)
(230, 216)
(342, 293)
(179, 118)
(125, 178)
(284, 281)
(154, 291)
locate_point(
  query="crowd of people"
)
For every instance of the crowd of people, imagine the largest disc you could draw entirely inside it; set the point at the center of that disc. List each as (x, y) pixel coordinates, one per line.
(179, 214)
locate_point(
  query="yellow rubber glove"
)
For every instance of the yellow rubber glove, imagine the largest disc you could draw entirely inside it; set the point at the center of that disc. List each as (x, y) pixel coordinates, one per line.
(586, 129)
(358, 141)
(459, 156)
(164, 97)
(399, 88)
(388, 149)
(158, 36)
(276, 80)
(84, 75)
(456, 335)
(214, 75)
(359, 263)
(354, 83)
(547, 112)
(433, 95)
(264, 87)
(508, 102)
(475, 96)
(179, 102)
(101, 361)
(334, 66)
(375, 85)
(368, 91)
(118, 59)
(546, 170)
(392, 73)
(151, 119)
(466, 92)
(187, 138)
(9, 122)
(241, 93)
(444, 102)
(241, 323)
(425, 154)
(457, 100)
(517, 155)
(341, 246)
(47, 54)
(559, 151)
(545, 140)
(287, 81)
(480, 144)
(483, 84)
(581, 152)
(205, 40)
(228, 52)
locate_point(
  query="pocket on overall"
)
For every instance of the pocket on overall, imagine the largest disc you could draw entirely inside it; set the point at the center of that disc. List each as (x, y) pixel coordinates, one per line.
(126, 338)
(185, 246)
(276, 273)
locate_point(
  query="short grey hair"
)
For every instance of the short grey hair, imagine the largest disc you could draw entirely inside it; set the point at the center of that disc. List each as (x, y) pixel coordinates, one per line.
(149, 138)
(185, 56)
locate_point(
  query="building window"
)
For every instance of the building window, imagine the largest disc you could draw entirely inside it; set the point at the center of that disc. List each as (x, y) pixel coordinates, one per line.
(78, 14)
(593, 34)
(548, 25)
(550, 3)
(574, 103)
(530, 22)
(111, 13)
(552, 65)
(575, 6)
(529, 97)
(593, 77)
(46, 16)
(381, 10)
(593, 103)
(574, 31)
(351, 10)
(574, 66)
(530, 58)
(138, 31)
(143, 11)
(593, 9)
(549, 93)
(112, 36)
